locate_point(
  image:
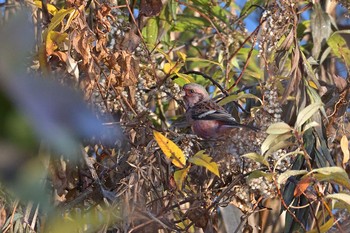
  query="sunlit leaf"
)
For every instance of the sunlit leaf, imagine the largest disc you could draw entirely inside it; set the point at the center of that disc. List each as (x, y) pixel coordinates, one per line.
(279, 128)
(339, 47)
(181, 55)
(150, 32)
(53, 40)
(180, 176)
(257, 158)
(50, 8)
(182, 79)
(272, 140)
(170, 68)
(204, 160)
(285, 175)
(344, 145)
(258, 173)
(323, 228)
(312, 84)
(311, 125)
(306, 113)
(170, 149)
(58, 18)
(332, 174)
(343, 197)
(72, 16)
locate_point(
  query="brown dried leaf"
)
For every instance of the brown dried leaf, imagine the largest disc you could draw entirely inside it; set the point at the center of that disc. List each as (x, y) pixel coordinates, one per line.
(150, 7)
(302, 185)
(129, 69)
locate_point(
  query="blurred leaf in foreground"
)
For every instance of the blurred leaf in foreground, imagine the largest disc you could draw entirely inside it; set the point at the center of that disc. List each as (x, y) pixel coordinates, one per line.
(57, 113)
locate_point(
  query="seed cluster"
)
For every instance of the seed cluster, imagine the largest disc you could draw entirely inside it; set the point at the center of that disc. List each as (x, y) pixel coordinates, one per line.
(278, 19)
(228, 153)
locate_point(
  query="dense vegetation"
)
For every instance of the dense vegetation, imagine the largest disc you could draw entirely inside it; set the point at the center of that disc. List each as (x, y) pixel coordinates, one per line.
(92, 130)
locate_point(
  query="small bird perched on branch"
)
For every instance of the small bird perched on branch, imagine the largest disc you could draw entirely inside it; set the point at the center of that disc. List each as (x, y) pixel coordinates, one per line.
(208, 119)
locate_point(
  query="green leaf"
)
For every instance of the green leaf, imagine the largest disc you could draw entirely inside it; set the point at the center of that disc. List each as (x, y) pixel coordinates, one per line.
(150, 32)
(201, 60)
(343, 197)
(204, 160)
(182, 79)
(332, 174)
(180, 176)
(279, 128)
(219, 13)
(258, 173)
(285, 175)
(311, 125)
(306, 114)
(277, 146)
(257, 158)
(188, 23)
(273, 139)
(339, 47)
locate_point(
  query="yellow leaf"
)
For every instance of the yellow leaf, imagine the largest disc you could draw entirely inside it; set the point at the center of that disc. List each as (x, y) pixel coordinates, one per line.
(182, 56)
(344, 145)
(167, 68)
(170, 149)
(54, 39)
(204, 160)
(313, 84)
(180, 176)
(170, 68)
(58, 18)
(50, 8)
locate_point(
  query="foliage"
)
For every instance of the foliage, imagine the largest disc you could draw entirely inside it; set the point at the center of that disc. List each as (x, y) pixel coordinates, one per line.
(88, 91)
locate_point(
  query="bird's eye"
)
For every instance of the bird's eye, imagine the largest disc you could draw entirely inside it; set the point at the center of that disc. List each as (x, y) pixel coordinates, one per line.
(191, 91)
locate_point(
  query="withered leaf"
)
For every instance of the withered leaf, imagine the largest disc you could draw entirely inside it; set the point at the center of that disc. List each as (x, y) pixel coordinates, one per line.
(150, 7)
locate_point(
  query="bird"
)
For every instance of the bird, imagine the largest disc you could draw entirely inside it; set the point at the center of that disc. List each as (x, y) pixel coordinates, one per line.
(207, 119)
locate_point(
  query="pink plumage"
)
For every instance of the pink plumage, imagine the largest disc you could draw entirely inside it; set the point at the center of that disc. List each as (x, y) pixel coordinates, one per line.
(208, 119)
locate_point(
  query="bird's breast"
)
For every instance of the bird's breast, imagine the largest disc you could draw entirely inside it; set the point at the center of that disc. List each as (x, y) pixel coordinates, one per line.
(205, 128)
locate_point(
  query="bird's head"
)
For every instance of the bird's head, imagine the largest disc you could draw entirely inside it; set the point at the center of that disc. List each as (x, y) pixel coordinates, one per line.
(194, 93)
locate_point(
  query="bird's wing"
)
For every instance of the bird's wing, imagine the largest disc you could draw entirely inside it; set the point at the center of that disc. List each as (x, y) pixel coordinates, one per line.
(209, 110)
